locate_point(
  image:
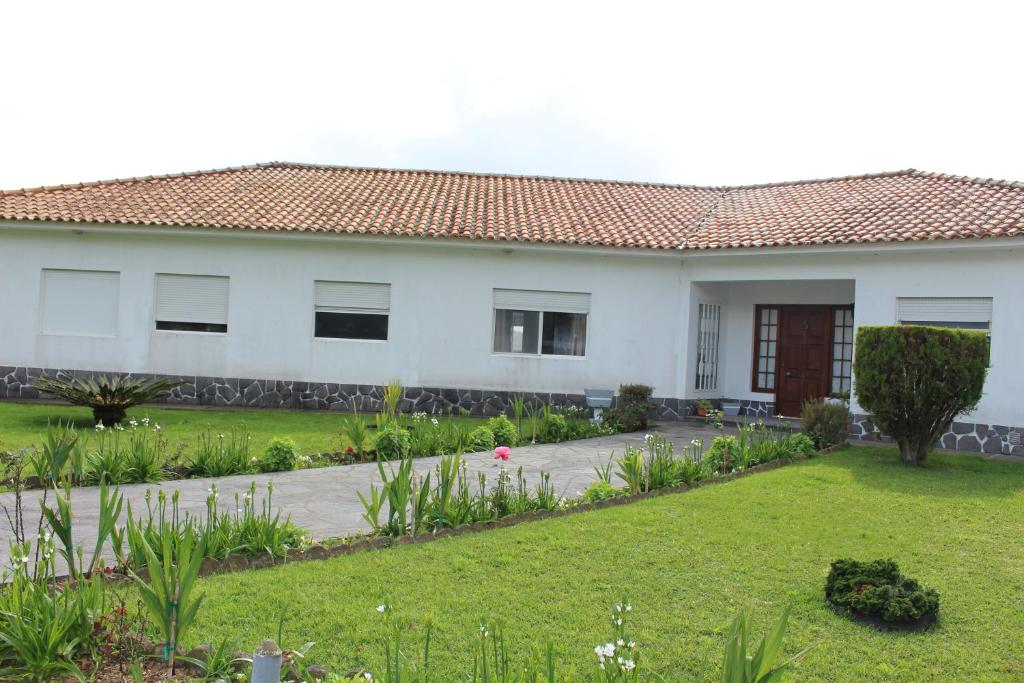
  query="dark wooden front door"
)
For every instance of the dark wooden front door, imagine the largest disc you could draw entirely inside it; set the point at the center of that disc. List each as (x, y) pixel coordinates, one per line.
(803, 365)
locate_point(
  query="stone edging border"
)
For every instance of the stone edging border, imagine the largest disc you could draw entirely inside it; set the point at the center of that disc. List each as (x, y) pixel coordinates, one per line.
(327, 549)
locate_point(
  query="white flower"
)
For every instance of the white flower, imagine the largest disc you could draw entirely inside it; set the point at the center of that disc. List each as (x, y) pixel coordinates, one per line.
(620, 642)
(100, 427)
(629, 665)
(381, 608)
(631, 645)
(145, 421)
(367, 675)
(629, 608)
(433, 421)
(156, 428)
(133, 423)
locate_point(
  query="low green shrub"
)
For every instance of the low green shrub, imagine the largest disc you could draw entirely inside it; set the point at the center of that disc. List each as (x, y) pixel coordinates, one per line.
(824, 422)
(632, 409)
(481, 439)
(281, 455)
(393, 443)
(723, 455)
(799, 445)
(630, 394)
(877, 591)
(599, 490)
(504, 430)
(553, 428)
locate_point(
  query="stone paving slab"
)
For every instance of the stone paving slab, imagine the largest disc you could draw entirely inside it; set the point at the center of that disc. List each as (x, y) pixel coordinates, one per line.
(325, 501)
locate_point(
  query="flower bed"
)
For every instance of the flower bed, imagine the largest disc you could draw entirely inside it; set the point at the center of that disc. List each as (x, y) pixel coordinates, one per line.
(138, 451)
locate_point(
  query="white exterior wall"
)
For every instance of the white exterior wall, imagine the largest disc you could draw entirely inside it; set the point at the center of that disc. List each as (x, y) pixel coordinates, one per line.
(641, 326)
(441, 310)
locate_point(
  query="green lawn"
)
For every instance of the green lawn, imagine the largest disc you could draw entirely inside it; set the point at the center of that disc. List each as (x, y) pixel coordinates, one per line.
(24, 424)
(688, 562)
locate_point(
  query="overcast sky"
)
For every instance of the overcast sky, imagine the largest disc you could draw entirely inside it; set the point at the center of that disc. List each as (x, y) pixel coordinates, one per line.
(708, 94)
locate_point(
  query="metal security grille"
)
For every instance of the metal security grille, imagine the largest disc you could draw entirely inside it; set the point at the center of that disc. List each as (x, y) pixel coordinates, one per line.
(708, 322)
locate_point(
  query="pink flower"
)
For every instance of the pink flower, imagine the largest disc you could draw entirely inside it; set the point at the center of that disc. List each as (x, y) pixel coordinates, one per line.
(502, 453)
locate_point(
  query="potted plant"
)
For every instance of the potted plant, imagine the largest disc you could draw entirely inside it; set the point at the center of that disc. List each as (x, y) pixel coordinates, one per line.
(703, 407)
(838, 398)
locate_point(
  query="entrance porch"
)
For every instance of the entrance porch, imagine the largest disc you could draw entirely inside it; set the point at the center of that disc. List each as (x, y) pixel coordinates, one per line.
(771, 345)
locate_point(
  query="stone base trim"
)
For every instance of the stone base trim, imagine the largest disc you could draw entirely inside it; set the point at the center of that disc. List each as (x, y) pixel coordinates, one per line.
(757, 409)
(968, 437)
(15, 382)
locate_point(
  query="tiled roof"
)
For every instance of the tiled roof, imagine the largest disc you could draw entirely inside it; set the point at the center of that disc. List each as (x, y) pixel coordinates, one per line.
(904, 206)
(889, 207)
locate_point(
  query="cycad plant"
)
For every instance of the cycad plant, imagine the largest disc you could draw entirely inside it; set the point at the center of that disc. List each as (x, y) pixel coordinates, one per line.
(108, 396)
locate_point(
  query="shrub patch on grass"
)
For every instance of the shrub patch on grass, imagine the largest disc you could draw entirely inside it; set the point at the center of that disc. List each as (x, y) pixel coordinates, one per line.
(876, 593)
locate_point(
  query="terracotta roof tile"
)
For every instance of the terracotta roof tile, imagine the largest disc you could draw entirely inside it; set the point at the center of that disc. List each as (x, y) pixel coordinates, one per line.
(901, 206)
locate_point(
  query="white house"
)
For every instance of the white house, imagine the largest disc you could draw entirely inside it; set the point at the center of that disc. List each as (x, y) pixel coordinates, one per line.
(291, 285)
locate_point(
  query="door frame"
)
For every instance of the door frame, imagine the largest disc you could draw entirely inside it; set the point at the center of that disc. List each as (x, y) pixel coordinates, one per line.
(756, 338)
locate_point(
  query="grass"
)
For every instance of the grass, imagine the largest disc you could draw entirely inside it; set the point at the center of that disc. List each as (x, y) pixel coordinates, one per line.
(687, 562)
(24, 424)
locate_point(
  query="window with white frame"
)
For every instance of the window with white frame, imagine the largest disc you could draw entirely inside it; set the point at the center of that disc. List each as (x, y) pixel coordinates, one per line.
(351, 310)
(191, 303)
(967, 313)
(709, 318)
(537, 322)
(842, 349)
(79, 302)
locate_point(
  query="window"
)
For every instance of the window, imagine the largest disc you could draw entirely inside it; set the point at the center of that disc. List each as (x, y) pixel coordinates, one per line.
(842, 350)
(967, 313)
(80, 302)
(708, 319)
(766, 319)
(351, 310)
(191, 303)
(548, 323)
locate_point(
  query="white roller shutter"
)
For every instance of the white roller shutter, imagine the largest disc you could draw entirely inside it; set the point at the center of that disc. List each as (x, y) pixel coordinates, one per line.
(352, 297)
(944, 309)
(80, 302)
(535, 300)
(192, 299)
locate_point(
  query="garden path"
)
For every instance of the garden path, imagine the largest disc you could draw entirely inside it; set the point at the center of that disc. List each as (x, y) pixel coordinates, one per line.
(325, 501)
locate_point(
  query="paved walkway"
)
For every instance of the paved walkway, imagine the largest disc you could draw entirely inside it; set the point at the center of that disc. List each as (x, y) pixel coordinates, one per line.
(325, 500)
